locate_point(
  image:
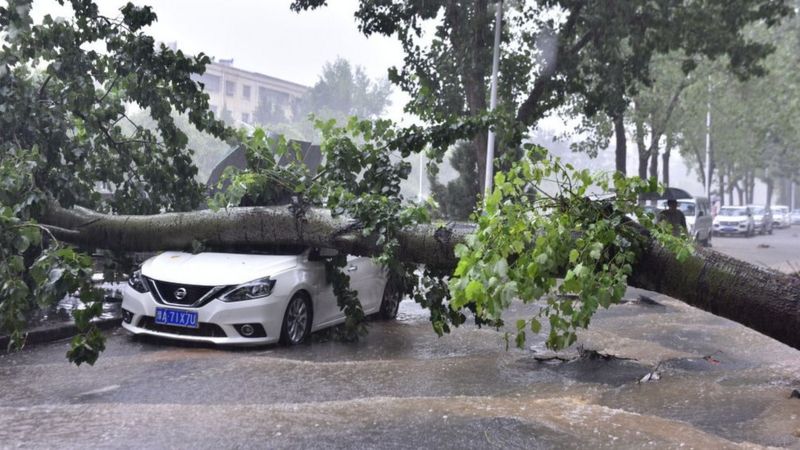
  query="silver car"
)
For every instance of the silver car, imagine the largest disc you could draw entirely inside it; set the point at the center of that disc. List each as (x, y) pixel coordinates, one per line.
(762, 216)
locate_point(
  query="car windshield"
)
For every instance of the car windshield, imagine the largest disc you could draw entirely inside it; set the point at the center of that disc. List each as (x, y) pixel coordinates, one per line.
(757, 210)
(281, 250)
(732, 212)
(688, 208)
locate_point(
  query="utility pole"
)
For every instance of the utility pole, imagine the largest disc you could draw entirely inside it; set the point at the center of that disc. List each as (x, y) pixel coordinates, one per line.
(498, 20)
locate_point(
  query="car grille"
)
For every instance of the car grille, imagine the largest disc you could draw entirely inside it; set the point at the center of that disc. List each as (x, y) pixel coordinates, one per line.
(729, 224)
(203, 329)
(165, 293)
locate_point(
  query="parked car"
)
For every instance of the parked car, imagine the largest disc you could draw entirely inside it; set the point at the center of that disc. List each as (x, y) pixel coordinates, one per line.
(762, 216)
(698, 217)
(227, 298)
(796, 217)
(733, 220)
(781, 216)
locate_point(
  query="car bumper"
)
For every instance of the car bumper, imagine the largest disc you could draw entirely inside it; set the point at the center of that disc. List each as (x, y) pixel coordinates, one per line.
(215, 318)
(729, 230)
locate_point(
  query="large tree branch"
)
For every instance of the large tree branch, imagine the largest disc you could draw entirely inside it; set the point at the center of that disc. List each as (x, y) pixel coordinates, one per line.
(761, 299)
(246, 228)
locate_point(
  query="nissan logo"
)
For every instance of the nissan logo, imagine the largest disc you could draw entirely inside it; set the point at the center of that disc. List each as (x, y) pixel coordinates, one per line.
(180, 293)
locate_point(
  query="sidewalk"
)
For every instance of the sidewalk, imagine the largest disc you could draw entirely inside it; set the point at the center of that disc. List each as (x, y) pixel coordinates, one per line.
(56, 331)
(59, 324)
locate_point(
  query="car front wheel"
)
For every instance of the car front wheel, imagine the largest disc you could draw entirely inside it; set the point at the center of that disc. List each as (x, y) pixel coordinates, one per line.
(390, 303)
(296, 321)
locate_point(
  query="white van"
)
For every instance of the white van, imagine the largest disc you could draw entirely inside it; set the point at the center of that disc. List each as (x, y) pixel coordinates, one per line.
(699, 222)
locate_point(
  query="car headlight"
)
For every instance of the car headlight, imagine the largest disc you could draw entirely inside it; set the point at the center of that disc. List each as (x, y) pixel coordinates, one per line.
(136, 281)
(249, 291)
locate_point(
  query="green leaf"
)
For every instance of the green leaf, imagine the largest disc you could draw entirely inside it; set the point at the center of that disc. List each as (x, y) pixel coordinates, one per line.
(474, 290)
(573, 255)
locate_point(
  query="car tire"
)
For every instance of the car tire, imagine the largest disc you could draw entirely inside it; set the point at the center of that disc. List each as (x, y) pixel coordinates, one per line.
(390, 302)
(297, 320)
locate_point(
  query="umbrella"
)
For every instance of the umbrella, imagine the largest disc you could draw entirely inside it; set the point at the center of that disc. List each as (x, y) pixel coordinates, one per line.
(669, 193)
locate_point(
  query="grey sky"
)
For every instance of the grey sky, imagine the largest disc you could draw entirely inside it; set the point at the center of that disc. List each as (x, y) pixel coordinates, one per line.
(265, 36)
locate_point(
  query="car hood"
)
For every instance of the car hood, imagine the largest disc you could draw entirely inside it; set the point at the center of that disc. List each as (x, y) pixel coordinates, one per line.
(215, 269)
(731, 218)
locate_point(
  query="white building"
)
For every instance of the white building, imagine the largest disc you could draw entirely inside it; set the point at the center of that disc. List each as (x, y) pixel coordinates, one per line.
(250, 97)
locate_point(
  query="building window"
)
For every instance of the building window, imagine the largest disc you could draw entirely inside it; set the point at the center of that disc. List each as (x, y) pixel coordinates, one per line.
(246, 91)
(246, 117)
(230, 88)
(210, 82)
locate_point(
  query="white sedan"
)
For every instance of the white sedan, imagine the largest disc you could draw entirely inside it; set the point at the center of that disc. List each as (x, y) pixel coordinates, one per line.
(247, 299)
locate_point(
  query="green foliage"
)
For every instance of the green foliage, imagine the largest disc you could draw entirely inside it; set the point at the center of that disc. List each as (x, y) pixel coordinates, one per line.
(754, 131)
(35, 270)
(65, 86)
(526, 242)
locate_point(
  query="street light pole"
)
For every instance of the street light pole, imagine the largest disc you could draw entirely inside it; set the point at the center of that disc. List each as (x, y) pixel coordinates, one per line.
(708, 142)
(498, 20)
(421, 168)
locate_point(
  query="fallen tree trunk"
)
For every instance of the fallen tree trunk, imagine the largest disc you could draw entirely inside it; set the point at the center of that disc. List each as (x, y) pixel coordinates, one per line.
(761, 299)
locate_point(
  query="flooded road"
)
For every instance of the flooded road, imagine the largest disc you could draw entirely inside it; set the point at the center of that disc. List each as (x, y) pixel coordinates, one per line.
(714, 384)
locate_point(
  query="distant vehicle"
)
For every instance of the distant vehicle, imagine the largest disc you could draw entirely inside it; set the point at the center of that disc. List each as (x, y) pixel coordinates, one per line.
(698, 217)
(796, 217)
(247, 299)
(733, 220)
(781, 217)
(762, 216)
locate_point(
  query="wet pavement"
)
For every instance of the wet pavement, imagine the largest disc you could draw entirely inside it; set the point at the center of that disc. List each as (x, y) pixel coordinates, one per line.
(780, 250)
(719, 385)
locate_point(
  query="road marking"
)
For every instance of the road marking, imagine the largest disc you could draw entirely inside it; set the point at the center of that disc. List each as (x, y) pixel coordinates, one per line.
(102, 390)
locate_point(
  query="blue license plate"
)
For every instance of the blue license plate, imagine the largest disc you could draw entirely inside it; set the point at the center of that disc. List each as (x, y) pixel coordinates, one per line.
(176, 317)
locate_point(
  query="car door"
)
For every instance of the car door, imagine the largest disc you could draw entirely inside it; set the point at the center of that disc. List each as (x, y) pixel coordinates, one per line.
(359, 269)
(704, 221)
(325, 307)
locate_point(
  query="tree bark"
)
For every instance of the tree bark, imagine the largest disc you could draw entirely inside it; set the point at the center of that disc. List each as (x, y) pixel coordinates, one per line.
(667, 152)
(621, 148)
(770, 189)
(640, 146)
(469, 37)
(764, 300)
(654, 162)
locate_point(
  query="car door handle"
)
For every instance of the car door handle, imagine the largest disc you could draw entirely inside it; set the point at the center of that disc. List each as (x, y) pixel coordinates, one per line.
(352, 268)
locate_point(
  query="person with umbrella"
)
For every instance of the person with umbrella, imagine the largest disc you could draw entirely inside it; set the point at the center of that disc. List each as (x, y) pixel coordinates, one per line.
(674, 216)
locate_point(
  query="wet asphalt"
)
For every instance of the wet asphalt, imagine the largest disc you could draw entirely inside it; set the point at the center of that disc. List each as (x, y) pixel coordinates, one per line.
(713, 384)
(779, 250)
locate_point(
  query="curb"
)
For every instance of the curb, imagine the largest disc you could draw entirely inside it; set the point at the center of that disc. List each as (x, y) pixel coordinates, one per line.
(60, 331)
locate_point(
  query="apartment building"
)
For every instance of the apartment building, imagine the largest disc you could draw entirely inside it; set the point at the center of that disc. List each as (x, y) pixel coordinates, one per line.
(237, 95)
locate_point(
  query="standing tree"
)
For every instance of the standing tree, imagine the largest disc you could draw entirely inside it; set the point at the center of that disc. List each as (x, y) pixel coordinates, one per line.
(342, 91)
